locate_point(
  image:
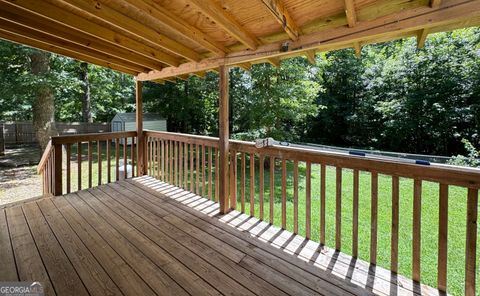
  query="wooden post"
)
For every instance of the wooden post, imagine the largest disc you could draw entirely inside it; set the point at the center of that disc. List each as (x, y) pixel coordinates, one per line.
(223, 140)
(57, 154)
(140, 139)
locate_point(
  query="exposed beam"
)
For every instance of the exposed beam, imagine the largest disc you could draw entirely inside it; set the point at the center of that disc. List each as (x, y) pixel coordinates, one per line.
(310, 54)
(336, 38)
(274, 61)
(119, 20)
(216, 13)
(422, 37)
(358, 49)
(28, 34)
(44, 13)
(65, 52)
(157, 17)
(245, 66)
(350, 12)
(435, 3)
(37, 23)
(278, 10)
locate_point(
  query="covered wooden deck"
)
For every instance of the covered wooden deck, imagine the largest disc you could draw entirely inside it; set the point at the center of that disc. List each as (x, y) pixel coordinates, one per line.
(145, 237)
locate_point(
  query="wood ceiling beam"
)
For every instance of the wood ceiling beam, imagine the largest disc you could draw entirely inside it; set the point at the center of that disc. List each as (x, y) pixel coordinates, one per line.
(336, 38)
(422, 37)
(36, 22)
(119, 20)
(68, 22)
(358, 49)
(435, 3)
(310, 54)
(9, 36)
(278, 10)
(157, 17)
(40, 36)
(350, 13)
(216, 13)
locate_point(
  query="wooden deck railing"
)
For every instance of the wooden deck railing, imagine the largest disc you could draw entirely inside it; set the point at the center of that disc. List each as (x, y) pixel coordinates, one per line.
(111, 150)
(187, 161)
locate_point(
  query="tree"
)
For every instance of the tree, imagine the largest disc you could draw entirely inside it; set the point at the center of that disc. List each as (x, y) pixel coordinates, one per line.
(86, 104)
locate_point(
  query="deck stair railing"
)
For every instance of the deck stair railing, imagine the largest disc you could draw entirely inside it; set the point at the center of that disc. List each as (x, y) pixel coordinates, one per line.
(190, 162)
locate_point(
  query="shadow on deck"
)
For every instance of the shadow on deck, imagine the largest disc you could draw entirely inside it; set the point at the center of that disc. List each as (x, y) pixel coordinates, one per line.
(146, 237)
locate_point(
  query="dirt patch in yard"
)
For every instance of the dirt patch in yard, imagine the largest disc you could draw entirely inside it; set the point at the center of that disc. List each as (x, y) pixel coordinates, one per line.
(18, 174)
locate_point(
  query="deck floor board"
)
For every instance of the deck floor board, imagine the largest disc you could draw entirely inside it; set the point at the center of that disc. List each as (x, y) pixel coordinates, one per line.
(146, 237)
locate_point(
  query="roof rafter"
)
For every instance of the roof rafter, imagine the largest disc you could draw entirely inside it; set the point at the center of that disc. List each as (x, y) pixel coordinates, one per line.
(245, 66)
(422, 37)
(123, 22)
(46, 12)
(358, 49)
(310, 54)
(274, 61)
(52, 31)
(278, 10)
(340, 37)
(90, 58)
(157, 16)
(213, 10)
(350, 12)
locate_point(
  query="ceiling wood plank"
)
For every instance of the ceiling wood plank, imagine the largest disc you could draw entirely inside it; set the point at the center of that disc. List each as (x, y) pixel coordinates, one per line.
(350, 13)
(310, 54)
(422, 37)
(278, 10)
(123, 22)
(227, 22)
(336, 38)
(69, 22)
(43, 41)
(157, 16)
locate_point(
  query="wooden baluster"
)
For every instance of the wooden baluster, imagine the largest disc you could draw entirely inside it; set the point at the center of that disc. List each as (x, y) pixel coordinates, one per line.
(197, 169)
(151, 154)
(203, 175)
(90, 157)
(132, 155)
(243, 167)
(261, 181)
(416, 244)
(395, 225)
(284, 193)
(58, 169)
(338, 210)
(471, 242)
(373, 218)
(209, 151)
(308, 200)
(295, 196)
(69, 155)
(159, 159)
(272, 189)
(109, 162)
(170, 157)
(79, 165)
(162, 157)
(252, 184)
(192, 169)
(180, 164)
(175, 158)
(442, 238)
(125, 163)
(185, 165)
(117, 159)
(355, 214)
(323, 179)
(99, 161)
(233, 179)
(217, 175)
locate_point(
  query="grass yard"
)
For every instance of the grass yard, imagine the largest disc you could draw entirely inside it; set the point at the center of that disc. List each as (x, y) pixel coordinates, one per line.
(430, 208)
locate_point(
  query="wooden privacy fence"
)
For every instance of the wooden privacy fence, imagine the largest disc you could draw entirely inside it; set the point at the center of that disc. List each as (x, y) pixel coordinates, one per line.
(191, 163)
(112, 153)
(24, 133)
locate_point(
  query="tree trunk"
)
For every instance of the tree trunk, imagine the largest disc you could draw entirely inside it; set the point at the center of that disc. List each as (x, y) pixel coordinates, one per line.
(86, 103)
(44, 103)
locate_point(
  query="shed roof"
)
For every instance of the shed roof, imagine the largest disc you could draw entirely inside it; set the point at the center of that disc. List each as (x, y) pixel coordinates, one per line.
(130, 117)
(163, 39)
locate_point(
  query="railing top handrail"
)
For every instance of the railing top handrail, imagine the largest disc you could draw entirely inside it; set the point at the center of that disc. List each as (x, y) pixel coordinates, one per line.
(194, 139)
(72, 139)
(45, 156)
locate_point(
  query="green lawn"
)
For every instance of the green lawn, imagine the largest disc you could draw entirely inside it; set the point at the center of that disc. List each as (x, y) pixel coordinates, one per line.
(429, 232)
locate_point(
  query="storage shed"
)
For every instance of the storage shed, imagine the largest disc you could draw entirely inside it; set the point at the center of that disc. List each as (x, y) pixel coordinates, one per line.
(126, 122)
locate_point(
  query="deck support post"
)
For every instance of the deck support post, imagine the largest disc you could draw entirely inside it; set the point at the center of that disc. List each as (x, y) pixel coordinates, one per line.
(223, 144)
(139, 124)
